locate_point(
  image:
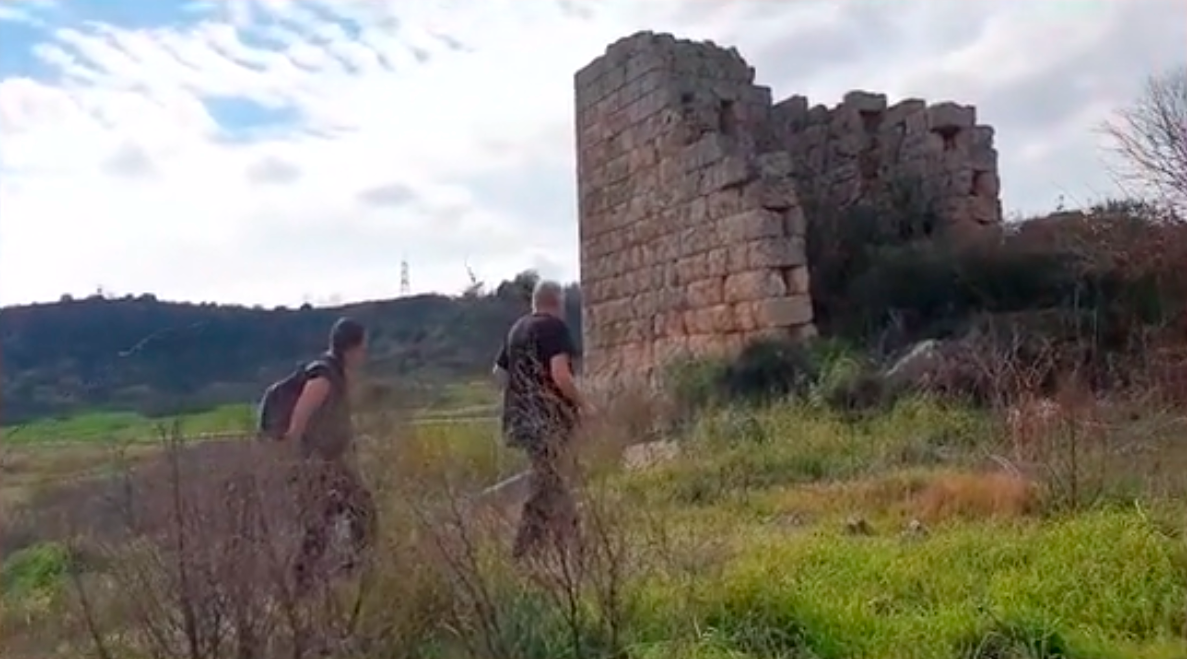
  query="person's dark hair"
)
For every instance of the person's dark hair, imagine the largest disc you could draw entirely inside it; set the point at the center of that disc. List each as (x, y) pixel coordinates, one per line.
(347, 333)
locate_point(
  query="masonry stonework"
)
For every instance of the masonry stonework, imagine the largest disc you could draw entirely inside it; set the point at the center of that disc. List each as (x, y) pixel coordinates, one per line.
(867, 151)
(691, 228)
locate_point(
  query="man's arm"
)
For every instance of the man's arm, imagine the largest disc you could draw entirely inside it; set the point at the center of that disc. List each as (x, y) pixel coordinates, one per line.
(312, 396)
(561, 368)
(499, 370)
(560, 351)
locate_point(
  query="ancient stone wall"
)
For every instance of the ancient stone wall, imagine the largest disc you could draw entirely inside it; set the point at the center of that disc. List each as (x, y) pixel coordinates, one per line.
(691, 228)
(691, 241)
(866, 151)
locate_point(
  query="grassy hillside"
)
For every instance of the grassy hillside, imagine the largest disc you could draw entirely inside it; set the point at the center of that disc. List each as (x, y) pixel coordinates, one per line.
(142, 355)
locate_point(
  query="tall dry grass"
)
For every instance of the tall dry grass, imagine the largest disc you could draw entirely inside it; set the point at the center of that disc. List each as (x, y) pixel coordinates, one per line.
(201, 565)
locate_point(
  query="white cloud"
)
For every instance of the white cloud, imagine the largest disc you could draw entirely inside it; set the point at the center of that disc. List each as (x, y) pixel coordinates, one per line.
(442, 131)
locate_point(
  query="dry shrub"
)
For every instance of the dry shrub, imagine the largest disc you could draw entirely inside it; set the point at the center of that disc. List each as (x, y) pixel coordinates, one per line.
(569, 601)
(633, 414)
(203, 565)
(994, 495)
(1086, 448)
(995, 364)
(206, 542)
(1029, 423)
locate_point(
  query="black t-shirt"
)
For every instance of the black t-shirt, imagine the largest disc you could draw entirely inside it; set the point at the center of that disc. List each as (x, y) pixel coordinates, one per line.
(533, 406)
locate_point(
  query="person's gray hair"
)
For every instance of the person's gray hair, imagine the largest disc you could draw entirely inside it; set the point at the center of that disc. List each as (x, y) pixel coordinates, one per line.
(547, 293)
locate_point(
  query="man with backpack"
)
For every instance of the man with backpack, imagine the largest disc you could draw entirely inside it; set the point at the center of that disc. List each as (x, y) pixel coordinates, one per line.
(310, 411)
(541, 409)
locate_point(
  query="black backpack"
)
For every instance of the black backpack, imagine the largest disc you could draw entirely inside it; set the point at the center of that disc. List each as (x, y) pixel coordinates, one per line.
(275, 410)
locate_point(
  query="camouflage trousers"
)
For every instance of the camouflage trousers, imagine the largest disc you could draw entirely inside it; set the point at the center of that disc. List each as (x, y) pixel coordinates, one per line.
(329, 493)
(549, 516)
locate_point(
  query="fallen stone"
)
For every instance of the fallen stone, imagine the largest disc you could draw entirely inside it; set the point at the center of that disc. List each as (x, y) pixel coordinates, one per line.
(921, 363)
(915, 530)
(858, 526)
(649, 454)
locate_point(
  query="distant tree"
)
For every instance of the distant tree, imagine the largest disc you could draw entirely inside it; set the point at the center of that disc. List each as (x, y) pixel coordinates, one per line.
(519, 287)
(1150, 136)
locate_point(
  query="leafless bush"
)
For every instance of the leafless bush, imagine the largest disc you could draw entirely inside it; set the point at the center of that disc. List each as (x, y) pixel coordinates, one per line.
(203, 563)
(1050, 419)
(1082, 445)
(569, 599)
(999, 367)
(202, 567)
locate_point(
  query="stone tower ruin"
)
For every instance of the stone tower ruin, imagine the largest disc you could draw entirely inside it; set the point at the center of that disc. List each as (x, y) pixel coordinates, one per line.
(690, 181)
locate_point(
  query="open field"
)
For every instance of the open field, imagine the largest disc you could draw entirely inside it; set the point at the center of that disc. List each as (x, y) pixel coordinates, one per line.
(120, 427)
(462, 400)
(794, 532)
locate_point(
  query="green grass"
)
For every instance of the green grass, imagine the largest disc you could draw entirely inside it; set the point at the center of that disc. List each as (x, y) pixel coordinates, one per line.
(129, 426)
(1104, 584)
(740, 547)
(761, 500)
(34, 570)
(460, 401)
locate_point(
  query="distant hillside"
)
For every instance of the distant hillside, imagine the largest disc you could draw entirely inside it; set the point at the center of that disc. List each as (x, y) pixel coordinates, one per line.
(154, 357)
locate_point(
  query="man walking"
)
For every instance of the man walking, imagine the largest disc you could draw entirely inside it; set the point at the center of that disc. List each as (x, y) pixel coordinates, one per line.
(541, 409)
(322, 432)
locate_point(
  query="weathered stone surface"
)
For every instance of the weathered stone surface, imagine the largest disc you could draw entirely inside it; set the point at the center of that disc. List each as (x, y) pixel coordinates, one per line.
(950, 116)
(690, 183)
(784, 311)
(690, 224)
(864, 152)
(754, 285)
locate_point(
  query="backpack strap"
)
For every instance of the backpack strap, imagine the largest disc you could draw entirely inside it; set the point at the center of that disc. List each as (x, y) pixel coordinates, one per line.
(329, 366)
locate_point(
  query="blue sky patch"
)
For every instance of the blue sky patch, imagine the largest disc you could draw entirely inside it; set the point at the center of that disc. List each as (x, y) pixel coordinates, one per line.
(40, 19)
(244, 118)
(16, 56)
(135, 14)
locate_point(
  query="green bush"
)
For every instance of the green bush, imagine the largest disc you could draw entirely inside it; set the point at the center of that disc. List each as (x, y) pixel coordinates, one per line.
(764, 372)
(767, 371)
(860, 393)
(36, 569)
(1094, 287)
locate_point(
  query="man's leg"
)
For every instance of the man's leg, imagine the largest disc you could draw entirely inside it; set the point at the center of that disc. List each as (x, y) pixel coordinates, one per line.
(316, 515)
(533, 520)
(562, 521)
(358, 504)
(549, 514)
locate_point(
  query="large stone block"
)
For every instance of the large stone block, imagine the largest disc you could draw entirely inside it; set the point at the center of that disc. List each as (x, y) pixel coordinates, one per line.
(753, 285)
(752, 225)
(788, 311)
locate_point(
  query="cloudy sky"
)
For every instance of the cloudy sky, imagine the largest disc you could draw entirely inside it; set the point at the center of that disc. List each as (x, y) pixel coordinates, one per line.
(276, 151)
